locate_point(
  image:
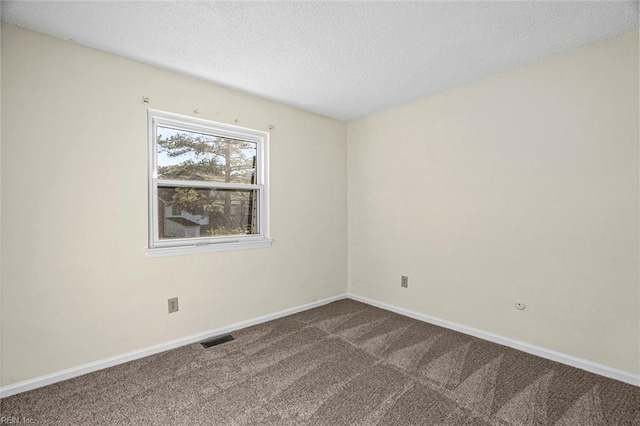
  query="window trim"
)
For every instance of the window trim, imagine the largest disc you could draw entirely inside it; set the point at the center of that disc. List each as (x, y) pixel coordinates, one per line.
(177, 246)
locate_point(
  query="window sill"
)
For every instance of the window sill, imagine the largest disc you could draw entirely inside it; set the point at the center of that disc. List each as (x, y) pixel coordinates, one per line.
(207, 248)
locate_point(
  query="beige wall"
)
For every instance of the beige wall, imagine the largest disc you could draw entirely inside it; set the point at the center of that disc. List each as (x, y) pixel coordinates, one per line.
(76, 284)
(1, 25)
(521, 186)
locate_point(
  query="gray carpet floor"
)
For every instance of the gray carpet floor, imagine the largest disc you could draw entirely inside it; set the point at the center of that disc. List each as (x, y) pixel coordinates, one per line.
(345, 363)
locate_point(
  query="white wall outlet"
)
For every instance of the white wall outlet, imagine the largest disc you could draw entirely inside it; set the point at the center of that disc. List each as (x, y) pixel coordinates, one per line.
(404, 281)
(520, 305)
(173, 304)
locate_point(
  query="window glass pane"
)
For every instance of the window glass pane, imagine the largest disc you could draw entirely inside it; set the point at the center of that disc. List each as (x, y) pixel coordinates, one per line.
(184, 155)
(206, 212)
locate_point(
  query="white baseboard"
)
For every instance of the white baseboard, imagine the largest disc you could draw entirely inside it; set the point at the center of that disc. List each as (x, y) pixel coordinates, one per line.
(592, 367)
(70, 373)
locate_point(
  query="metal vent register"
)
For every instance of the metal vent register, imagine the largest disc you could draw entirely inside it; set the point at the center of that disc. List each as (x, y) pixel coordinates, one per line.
(217, 341)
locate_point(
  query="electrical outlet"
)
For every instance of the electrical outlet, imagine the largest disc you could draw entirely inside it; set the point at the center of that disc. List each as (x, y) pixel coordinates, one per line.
(404, 281)
(173, 305)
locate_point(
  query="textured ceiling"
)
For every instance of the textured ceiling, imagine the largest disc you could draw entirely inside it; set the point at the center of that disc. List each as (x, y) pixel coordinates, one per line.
(339, 59)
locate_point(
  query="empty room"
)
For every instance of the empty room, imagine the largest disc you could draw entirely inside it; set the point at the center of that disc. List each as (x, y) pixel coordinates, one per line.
(320, 213)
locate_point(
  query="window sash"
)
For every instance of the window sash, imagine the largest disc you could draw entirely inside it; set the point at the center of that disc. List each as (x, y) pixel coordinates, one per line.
(191, 124)
(206, 184)
(197, 241)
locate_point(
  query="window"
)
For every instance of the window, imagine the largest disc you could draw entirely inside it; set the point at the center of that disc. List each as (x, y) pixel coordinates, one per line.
(207, 186)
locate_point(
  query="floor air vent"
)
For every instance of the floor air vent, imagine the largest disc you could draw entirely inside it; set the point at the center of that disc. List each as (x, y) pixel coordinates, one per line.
(217, 341)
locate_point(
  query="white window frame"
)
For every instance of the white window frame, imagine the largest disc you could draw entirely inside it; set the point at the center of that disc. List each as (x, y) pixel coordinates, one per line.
(177, 246)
